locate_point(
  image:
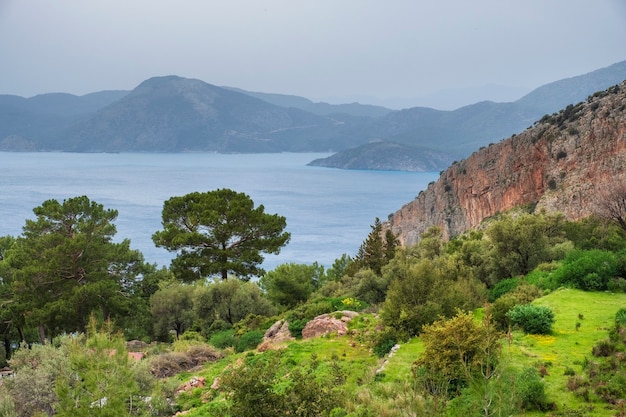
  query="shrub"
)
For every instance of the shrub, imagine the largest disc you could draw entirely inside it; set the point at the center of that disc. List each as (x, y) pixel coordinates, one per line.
(620, 318)
(223, 339)
(170, 363)
(531, 391)
(531, 318)
(604, 348)
(253, 389)
(384, 342)
(589, 270)
(248, 341)
(296, 326)
(201, 353)
(36, 370)
(523, 294)
(503, 287)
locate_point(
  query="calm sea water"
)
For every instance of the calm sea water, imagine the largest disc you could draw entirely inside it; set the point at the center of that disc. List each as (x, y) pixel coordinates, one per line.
(328, 211)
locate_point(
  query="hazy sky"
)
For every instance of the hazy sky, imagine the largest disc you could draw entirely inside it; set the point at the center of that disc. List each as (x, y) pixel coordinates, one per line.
(350, 49)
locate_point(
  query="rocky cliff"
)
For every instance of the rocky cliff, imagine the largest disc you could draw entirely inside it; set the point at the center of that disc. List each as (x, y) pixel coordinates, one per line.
(561, 164)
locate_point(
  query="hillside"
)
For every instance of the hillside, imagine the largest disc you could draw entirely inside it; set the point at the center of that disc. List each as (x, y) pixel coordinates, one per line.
(564, 163)
(382, 384)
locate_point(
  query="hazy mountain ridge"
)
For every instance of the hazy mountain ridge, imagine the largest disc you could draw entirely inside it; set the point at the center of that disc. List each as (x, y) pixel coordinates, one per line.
(174, 114)
(460, 132)
(320, 108)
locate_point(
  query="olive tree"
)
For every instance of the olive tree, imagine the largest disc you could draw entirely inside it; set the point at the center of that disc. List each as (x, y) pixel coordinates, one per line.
(218, 232)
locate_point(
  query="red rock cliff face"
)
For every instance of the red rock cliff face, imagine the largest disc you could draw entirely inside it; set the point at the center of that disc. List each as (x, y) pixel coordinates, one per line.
(561, 165)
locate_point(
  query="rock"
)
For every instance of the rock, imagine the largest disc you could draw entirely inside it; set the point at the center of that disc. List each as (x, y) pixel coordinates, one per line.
(328, 323)
(561, 165)
(136, 346)
(195, 382)
(278, 333)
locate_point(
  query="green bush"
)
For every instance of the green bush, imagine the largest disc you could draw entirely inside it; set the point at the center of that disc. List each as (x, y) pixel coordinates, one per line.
(248, 341)
(542, 276)
(620, 318)
(384, 342)
(531, 318)
(523, 294)
(531, 391)
(588, 270)
(503, 287)
(223, 339)
(260, 387)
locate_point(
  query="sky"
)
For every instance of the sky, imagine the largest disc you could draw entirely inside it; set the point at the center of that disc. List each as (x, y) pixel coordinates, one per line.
(398, 53)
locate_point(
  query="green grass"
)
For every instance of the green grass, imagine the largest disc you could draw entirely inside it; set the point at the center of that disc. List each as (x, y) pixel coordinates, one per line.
(565, 349)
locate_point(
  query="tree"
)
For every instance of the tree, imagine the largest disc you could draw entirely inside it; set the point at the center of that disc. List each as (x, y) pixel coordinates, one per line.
(422, 289)
(65, 267)
(172, 309)
(290, 284)
(338, 268)
(376, 251)
(218, 232)
(612, 204)
(459, 351)
(520, 244)
(228, 302)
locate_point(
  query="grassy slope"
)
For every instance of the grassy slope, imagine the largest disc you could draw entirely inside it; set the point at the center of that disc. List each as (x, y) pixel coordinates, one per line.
(566, 348)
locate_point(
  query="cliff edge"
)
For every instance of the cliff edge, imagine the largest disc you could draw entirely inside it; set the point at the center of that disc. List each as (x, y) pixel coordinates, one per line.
(561, 164)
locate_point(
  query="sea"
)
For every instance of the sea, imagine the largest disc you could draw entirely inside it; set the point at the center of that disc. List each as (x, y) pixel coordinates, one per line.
(329, 211)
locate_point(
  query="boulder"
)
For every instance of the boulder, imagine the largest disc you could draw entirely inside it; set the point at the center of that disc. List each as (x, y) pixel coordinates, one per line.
(278, 333)
(328, 323)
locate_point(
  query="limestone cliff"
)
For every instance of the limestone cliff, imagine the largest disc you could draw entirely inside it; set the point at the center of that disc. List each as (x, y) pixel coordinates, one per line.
(560, 164)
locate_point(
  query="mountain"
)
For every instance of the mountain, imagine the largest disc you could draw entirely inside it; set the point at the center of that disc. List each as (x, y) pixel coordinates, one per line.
(461, 131)
(321, 109)
(25, 121)
(565, 163)
(174, 114)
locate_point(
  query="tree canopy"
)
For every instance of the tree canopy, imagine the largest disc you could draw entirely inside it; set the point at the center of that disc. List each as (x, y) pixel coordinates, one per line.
(218, 232)
(65, 267)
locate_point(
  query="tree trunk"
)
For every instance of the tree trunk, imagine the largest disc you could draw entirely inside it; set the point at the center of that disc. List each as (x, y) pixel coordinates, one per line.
(7, 348)
(42, 334)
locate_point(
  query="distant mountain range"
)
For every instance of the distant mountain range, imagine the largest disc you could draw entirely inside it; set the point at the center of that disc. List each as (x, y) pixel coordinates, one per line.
(174, 114)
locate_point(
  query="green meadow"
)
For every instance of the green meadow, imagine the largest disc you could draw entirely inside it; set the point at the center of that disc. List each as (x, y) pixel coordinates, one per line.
(386, 385)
